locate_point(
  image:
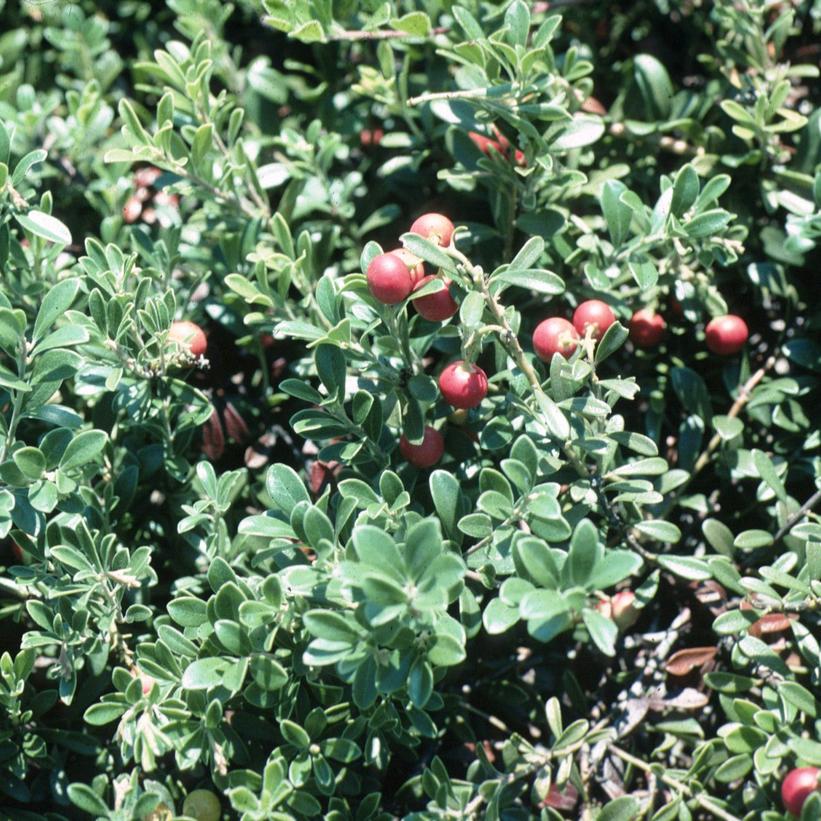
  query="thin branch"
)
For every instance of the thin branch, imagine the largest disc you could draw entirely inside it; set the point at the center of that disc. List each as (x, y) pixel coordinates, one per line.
(448, 95)
(354, 35)
(798, 515)
(738, 405)
(704, 802)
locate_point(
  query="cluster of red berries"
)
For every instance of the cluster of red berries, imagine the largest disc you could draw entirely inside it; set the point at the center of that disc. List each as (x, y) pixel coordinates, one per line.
(142, 204)
(725, 335)
(392, 278)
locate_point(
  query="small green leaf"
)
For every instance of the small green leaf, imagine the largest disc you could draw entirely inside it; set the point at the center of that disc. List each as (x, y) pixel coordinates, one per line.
(660, 531)
(753, 539)
(55, 303)
(45, 226)
(688, 567)
(83, 449)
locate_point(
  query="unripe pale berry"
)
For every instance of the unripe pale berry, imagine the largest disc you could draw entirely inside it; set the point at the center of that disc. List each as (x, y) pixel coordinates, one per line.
(605, 607)
(415, 264)
(726, 335)
(427, 453)
(621, 607)
(146, 177)
(625, 612)
(595, 314)
(189, 336)
(554, 335)
(463, 385)
(202, 805)
(389, 279)
(435, 227)
(132, 209)
(436, 307)
(797, 787)
(647, 328)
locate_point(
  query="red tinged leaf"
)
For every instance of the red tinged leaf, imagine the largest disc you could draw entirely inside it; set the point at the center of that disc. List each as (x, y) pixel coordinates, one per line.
(235, 425)
(213, 438)
(683, 662)
(562, 799)
(772, 624)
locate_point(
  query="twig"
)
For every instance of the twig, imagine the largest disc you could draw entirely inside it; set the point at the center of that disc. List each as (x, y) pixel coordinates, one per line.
(448, 95)
(704, 459)
(798, 515)
(738, 405)
(511, 343)
(545, 757)
(703, 802)
(353, 35)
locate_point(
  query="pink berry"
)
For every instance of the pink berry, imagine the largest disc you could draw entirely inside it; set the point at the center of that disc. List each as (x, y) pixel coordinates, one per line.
(389, 279)
(463, 385)
(726, 335)
(189, 336)
(647, 328)
(415, 264)
(797, 787)
(436, 307)
(554, 335)
(427, 453)
(435, 227)
(593, 313)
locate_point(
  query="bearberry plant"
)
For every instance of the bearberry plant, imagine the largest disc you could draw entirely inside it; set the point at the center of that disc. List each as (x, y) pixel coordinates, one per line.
(410, 410)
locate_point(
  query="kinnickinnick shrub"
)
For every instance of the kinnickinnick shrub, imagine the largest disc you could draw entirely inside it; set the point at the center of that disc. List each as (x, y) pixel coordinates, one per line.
(408, 410)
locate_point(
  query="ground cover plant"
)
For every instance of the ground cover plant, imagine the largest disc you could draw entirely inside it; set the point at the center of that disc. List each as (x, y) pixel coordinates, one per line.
(410, 410)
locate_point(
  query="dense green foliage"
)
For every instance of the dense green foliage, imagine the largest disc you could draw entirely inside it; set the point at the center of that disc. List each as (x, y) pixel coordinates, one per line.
(220, 573)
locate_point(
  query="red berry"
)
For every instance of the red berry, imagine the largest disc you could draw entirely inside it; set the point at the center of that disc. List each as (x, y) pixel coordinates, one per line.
(436, 227)
(368, 137)
(647, 328)
(726, 335)
(485, 144)
(389, 279)
(797, 787)
(463, 385)
(554, 335)
(188, 335)
(415, 264)
(426, 454)
(593, 313)
(436, 307)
